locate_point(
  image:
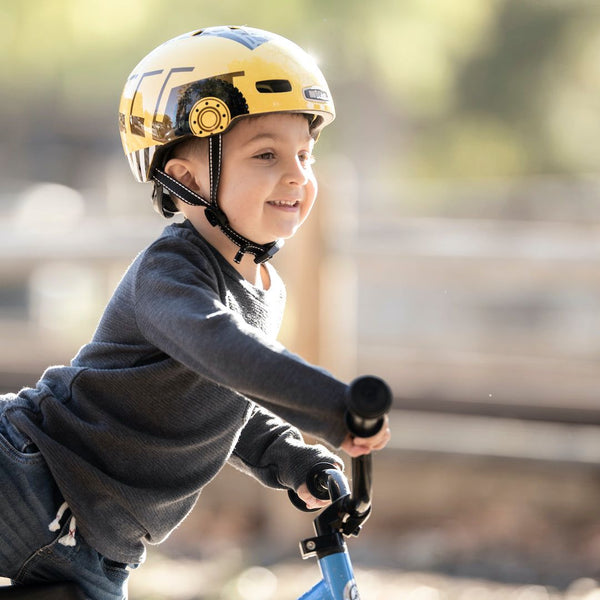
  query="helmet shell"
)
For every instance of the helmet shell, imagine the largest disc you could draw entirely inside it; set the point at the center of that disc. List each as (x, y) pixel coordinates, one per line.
(199, 83)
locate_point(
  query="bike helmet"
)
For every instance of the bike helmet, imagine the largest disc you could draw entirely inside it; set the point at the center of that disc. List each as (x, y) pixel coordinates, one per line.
(198, 84)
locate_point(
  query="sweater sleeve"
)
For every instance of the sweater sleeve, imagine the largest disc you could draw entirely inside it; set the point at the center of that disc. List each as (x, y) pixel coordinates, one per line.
(179, 310)
(275, 454)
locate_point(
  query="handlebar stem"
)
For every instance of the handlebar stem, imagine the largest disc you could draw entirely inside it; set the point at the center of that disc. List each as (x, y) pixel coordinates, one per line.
(336, 483)
(362, 483)
(348, 510)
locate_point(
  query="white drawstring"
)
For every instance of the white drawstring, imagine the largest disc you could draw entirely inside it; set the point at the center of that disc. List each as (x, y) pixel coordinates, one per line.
(55, 525)
(69, 538)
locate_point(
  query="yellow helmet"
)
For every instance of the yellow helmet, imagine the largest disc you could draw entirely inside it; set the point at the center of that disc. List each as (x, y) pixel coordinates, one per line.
(199, 83)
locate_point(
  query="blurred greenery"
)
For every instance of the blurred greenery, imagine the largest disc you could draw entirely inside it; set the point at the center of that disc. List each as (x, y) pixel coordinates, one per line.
(424, 88)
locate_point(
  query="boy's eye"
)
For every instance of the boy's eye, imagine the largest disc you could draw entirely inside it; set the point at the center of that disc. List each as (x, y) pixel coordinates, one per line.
(266, 156)
(306, 158)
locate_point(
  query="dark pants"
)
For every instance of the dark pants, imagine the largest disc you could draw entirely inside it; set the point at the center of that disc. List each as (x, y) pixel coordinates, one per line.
(29, 551)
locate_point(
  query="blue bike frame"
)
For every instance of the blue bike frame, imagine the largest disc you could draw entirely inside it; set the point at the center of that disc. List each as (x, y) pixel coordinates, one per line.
(338, 579)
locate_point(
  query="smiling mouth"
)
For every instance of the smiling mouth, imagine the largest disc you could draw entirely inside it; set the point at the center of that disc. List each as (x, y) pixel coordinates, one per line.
(284, 203)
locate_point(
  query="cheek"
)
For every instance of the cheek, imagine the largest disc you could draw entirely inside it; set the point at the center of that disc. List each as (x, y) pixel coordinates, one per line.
(310, 195)
(231, 198)
(312, 185)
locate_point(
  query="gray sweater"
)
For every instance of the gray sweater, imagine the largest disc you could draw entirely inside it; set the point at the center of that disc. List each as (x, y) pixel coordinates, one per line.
(182, 375)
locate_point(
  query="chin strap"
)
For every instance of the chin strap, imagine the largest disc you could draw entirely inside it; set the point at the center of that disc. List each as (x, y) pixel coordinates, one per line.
(215, 216)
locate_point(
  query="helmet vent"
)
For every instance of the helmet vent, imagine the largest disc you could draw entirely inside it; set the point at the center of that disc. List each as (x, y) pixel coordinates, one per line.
(273, 86)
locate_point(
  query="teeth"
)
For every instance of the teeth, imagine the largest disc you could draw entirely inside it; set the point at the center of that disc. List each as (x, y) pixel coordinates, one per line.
(282, 203)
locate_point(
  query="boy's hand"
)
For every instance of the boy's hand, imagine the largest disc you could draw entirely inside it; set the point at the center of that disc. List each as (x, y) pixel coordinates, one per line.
(308, 499)
(356, 446)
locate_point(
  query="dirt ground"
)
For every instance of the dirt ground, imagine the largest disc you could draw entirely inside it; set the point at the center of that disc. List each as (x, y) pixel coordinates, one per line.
(186, 580)
(164, 579)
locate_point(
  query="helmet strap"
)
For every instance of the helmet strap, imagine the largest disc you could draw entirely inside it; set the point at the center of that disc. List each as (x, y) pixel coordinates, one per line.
(215, 216)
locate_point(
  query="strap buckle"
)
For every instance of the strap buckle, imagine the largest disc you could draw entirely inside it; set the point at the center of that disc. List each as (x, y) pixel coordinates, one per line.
(269, 252)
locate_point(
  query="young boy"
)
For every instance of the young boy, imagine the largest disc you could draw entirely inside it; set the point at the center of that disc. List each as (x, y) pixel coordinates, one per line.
(183, 373)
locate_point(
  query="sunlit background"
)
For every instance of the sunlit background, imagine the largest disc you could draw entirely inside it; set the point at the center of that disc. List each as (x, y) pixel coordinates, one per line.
(455, 251)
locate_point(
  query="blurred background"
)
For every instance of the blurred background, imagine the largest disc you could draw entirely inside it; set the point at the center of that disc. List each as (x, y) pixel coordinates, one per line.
(454, 252)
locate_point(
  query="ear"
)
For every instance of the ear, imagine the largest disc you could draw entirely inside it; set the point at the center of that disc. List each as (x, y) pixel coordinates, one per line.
(182, 170)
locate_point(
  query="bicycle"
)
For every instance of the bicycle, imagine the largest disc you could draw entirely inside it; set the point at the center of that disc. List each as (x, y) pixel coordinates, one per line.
(369, 400)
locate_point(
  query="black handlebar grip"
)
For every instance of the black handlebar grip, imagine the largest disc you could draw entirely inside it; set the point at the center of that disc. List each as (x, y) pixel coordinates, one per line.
(368, 400)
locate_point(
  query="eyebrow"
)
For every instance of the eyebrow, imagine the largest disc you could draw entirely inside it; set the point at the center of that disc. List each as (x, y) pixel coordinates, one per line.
(269, 136)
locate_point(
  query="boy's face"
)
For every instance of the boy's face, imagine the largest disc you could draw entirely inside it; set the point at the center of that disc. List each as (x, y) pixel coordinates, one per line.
(267, 186)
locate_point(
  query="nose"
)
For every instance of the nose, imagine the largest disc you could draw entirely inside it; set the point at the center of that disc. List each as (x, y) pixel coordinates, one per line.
(296, 173)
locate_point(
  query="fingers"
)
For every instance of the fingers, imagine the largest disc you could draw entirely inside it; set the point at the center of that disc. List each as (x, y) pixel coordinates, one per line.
(377, 442)
(357, 446)
(309, 499)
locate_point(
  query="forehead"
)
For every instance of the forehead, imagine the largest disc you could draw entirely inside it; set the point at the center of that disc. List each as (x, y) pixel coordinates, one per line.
(276, 125)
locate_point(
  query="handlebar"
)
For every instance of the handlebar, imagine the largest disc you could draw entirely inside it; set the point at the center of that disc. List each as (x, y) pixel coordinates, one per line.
(368, 400)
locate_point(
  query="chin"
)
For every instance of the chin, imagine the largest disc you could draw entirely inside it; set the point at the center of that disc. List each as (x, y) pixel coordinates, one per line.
(287, 233)
(282, 231)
